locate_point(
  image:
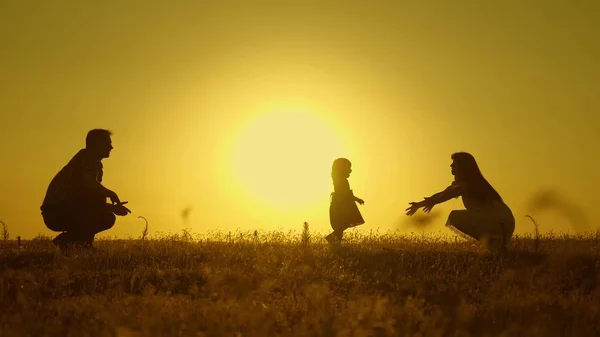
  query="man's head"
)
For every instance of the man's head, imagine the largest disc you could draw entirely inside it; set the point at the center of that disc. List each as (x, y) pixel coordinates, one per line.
(99, 143)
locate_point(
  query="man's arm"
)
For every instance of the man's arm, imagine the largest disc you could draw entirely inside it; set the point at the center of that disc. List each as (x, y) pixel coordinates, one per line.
(91, 173)
(89, 181)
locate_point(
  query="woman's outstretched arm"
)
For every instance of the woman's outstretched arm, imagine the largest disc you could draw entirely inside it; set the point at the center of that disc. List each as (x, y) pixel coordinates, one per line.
(452, 191)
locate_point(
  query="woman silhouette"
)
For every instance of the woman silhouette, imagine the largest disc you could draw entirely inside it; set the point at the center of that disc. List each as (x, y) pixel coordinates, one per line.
(486, 217)
(343, 212)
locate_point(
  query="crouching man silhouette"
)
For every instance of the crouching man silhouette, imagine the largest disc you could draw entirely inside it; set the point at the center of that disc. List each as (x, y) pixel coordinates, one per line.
(75, 202)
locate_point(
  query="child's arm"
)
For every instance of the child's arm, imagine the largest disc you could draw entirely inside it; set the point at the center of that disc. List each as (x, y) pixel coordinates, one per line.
(343, 187)
(357, 199)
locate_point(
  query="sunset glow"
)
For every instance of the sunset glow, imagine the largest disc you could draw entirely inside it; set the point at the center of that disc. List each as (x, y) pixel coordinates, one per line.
(283, 158)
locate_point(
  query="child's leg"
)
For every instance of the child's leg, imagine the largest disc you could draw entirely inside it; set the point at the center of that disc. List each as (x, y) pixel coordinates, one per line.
(330, 237)
(339, 234)
(335, 236)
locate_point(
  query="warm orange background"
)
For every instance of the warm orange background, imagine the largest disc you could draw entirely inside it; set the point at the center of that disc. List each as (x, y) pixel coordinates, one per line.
(401, 84)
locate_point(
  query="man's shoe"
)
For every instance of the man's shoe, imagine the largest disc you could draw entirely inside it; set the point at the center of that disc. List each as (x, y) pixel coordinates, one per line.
(59, 241)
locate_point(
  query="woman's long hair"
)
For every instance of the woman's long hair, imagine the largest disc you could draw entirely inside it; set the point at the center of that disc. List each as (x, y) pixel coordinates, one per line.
(476, 186)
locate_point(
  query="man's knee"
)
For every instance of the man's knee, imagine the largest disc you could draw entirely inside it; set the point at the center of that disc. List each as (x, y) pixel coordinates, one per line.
(100, 220)
(109, 220)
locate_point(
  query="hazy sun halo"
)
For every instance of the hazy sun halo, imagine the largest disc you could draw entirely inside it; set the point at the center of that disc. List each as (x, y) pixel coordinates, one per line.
(284, 158)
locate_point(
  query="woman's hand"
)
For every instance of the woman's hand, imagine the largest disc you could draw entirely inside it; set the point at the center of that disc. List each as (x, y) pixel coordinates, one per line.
(413, 208)
(360, 201)
(428, 205)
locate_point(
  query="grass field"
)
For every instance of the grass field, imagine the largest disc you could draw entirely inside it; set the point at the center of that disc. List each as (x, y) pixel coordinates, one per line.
(283, 284)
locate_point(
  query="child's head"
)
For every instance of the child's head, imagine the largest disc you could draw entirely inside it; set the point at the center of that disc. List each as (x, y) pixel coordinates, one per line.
(341, 168)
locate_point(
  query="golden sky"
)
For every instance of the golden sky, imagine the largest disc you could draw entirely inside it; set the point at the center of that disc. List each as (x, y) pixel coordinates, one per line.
(396, 86)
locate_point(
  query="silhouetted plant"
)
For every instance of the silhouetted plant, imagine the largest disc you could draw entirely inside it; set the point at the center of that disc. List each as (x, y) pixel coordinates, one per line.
(537, 232)
(186, 234)
(145, 230)
(305, 234)
(5, 233)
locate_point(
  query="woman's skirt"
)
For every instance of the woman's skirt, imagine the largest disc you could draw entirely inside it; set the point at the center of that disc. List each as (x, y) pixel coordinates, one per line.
(344, 213)
(493, 225)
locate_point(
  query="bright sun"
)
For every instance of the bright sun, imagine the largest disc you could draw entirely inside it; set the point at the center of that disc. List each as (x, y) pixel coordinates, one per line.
(284, 158)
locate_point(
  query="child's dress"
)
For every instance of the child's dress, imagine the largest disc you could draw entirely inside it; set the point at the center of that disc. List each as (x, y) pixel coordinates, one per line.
(343, 211)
